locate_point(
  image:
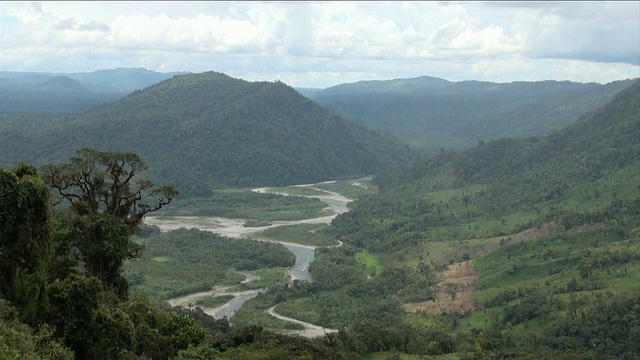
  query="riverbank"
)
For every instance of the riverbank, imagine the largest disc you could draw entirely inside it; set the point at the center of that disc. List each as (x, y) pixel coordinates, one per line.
(234, 228)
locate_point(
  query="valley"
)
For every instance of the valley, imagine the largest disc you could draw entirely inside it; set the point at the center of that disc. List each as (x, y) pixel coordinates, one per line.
(519, 246)
(234, 228)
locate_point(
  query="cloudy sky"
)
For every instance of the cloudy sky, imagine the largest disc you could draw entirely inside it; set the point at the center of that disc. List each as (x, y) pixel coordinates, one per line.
(319, 44)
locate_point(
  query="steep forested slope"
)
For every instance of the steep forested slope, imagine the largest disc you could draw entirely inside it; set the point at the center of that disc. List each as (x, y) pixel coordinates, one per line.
(432, 113)
(512, 180)
(534, 242)
(210, 130)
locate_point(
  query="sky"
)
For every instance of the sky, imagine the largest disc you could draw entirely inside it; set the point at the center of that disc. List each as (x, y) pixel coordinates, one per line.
(321, 44)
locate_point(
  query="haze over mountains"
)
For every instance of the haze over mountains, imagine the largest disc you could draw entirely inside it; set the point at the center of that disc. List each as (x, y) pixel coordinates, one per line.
(431, 113)
(71, 92)
(208, 130)
(542, 230)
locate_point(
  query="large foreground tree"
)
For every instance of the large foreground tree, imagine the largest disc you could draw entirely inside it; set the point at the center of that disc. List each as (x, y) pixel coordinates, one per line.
(24, 236)
(108, 200)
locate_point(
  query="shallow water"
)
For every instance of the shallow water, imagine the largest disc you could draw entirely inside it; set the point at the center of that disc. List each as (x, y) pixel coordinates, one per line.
(234, 228)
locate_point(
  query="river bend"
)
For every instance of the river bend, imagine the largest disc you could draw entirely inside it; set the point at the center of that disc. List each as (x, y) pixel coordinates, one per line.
(234, 228)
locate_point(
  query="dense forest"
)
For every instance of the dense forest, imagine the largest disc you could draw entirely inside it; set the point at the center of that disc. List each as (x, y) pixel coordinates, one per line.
(524, 247)
(431, 114)
(66, 93)
(205, 131)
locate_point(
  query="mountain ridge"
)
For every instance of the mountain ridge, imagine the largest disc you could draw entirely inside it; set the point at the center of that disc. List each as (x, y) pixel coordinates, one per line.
(208, 130)
(431, 113)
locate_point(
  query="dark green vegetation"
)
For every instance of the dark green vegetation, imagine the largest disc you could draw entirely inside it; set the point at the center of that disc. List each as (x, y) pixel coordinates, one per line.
(550, 223)
(305, 234)
(186, 261)
(204, 131)
(213, 301)
(62, 295)
(246, 204)
(431, 113)
(568, 289)
(28, 92)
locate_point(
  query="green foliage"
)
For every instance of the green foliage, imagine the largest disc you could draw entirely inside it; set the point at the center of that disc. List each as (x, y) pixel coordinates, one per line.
(199, 260)
(370, 262)
(200, 352)
(72, 304)
(19, 341)
(305, 234)
(107, 204)
(213, 301)
(256, 223)
(96, 182)
(246, 204)
(433, 114)
(24, 238)
(232, 134)
(25, 218)
(183, 331)
(266, 278)
(488, 190)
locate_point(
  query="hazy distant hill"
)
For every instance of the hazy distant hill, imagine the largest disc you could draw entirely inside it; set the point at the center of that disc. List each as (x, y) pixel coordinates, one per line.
(70, 92)
(431, 113)
(199, 131)
(505, 182)
(596, 144)
(520, 230)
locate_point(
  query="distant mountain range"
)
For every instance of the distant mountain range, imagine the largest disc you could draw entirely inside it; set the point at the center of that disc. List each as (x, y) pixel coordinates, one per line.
(208, 130)
(431, 113)
(38, 92)
(584, 166)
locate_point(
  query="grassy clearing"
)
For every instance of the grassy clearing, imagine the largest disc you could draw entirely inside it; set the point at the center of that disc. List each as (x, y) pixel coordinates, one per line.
(370, 261)
(304, 234)
(571, 268)
(256, 223)
(253, 312)
(213, 301)
(245, 204)
(297, 191)
(161, 259)
(185, 261)
(351, 189)
(267, 278)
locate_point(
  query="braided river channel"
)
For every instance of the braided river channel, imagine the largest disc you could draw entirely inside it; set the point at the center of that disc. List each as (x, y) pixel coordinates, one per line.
(234, 228)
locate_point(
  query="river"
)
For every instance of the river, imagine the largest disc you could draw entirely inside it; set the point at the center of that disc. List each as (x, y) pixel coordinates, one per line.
(234, 228)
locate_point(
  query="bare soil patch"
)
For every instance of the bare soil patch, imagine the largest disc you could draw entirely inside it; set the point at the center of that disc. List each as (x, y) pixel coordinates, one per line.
(454, 292)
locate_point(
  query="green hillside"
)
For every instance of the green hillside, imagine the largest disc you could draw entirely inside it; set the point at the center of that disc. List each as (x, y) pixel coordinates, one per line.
(431, 113)
(518, 248)
(208, 130)
(513, 181)
(546, 230)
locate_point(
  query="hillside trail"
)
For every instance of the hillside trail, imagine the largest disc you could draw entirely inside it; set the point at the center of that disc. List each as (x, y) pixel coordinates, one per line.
(456, 286)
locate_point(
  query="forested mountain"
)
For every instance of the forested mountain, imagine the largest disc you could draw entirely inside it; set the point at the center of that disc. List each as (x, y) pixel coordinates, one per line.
(577, 164)
(201, 131)
(431, 113)
(516, 248)
(534, 241)
(71, 92)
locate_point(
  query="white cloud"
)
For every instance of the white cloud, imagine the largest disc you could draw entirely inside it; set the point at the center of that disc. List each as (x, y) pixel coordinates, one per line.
(334, 41)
